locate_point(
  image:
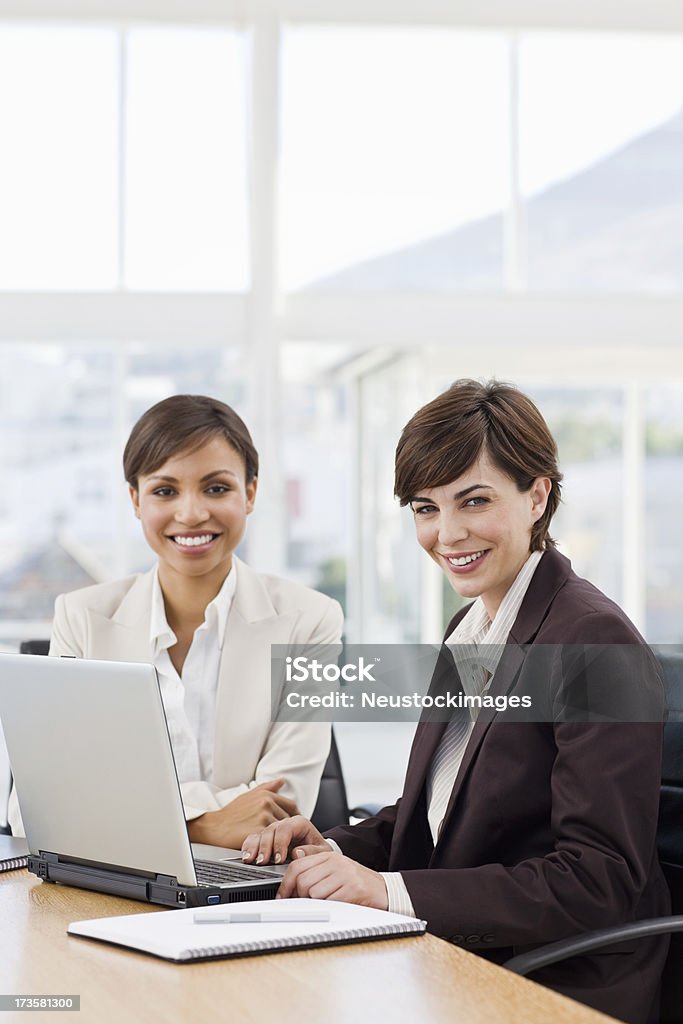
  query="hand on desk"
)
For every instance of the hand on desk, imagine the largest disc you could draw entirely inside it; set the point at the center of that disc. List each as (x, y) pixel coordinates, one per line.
(316, 871)
(253, 810)
(332, 876)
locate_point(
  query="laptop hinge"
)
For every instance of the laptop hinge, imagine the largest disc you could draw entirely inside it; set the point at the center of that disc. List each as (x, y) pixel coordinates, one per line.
(157, 889)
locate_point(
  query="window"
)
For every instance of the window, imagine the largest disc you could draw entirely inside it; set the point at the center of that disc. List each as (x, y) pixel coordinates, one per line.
(602, 161)
(66, 411)
(386, 160)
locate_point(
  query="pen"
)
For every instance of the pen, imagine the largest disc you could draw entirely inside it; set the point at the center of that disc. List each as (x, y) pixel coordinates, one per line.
(262, 917)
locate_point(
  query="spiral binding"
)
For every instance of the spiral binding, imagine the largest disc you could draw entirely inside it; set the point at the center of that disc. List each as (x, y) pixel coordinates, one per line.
(328, 938)
(12, 863)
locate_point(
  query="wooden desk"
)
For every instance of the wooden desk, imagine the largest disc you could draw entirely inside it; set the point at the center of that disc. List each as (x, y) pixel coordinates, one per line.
(413, 979)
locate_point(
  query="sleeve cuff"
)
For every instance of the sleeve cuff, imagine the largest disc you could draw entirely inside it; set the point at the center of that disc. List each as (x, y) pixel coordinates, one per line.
(336, 848)
(399, 899)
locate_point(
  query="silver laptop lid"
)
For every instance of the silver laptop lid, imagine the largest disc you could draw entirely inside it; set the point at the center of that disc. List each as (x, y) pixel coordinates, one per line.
(92, 762)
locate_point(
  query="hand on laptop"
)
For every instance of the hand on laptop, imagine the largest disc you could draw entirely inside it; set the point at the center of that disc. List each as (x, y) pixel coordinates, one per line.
(316, 870)
(278, 841)
(332, 876)
(247, 812)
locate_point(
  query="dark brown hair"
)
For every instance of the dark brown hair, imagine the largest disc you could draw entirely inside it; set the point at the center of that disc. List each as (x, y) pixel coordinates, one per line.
(183, 423)
(446, 437)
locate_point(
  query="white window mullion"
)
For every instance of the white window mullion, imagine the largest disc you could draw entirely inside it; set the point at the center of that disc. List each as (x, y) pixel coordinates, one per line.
(633, 558)
(514, 223)
(267, 531)
(123, 510)
(122, 157)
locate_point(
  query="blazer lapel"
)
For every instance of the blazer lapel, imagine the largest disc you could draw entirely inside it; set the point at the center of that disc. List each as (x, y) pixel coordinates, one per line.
(507, 672)
(125, 635)
(253, 625)
(550, 575)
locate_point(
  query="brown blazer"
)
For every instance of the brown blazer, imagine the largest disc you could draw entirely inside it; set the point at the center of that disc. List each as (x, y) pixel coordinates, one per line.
(550, 828)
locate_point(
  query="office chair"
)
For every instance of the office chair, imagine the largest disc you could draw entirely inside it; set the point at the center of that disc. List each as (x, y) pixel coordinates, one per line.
(331, 808)
(34, 647)
(670, 847)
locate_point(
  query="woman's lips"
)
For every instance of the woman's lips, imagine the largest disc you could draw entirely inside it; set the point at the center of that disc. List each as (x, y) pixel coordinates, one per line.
(462, 565)
(194, 544)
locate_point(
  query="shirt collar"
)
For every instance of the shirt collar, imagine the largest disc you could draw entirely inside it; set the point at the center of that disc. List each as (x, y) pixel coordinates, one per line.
(477, 637)
(216, 615)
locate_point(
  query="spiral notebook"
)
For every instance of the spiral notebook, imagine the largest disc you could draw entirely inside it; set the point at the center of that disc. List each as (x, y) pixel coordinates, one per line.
(13, 853)
(174, 935)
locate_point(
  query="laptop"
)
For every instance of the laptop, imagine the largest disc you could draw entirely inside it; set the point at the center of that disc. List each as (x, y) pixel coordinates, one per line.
(97, 785)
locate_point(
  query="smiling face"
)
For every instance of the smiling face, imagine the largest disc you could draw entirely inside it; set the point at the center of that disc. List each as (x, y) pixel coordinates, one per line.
(193, 510)
(478, 529)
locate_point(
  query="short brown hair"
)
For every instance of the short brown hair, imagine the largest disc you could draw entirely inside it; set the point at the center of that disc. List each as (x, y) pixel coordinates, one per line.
(183, 423)
(446, 437)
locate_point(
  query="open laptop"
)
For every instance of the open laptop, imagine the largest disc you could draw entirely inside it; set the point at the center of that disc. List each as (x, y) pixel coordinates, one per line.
(98, 790)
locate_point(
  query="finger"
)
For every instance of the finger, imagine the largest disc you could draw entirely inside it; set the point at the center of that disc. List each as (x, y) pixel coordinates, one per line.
(322, 874)
(289, 886)
(306, 851)
(250, 846)
(275, 841)
(273, 785)
(258, 846)
(287, 805)
(327, 889)
(277, 813)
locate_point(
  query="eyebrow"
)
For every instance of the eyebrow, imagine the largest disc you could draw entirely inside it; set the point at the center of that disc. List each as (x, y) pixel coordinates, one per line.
(207, 476)
(459, 494)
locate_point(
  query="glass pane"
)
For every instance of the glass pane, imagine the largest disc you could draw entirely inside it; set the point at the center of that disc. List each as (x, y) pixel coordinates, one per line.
(186, 214)
(391, 176)
(317, 453)
(58, 173)
(391, 559)
(663, 503)
(587, 423)
(602, 161)
(59, 496)
(65, 413)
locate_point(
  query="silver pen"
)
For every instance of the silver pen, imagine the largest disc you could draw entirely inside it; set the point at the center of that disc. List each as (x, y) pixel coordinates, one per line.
(259, 917)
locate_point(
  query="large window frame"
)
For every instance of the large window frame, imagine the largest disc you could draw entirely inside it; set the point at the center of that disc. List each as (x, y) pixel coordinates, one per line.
(586, 331)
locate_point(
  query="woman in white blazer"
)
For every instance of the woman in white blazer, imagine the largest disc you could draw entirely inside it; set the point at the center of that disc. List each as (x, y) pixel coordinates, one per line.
(206, 621)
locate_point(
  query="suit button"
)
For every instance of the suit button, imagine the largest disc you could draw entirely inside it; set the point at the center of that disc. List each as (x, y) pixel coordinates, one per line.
(457, 940)
(471, 940)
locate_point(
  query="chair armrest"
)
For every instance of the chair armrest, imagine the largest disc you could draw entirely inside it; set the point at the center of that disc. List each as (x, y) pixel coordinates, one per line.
(525, 963)
(366, 811)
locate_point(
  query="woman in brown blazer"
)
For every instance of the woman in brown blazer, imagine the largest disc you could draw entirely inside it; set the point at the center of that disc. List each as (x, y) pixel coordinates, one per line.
(512, 834)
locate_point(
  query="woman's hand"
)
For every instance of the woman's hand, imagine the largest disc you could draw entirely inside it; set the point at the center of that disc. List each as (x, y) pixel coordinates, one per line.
(247, 812)
(331, 876)
(277, 842)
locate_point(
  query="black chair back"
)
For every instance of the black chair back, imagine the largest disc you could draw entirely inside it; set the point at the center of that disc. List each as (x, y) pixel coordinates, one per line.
(34, 647)
(670, 828)
(332, 808)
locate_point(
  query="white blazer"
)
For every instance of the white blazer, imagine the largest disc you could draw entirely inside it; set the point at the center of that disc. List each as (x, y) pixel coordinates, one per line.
(111, 622)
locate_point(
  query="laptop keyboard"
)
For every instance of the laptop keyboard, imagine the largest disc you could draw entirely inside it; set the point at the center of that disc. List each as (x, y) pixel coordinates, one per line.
(210, 872)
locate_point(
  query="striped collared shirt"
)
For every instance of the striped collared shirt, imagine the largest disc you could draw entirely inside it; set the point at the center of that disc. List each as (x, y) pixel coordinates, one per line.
(477, 644)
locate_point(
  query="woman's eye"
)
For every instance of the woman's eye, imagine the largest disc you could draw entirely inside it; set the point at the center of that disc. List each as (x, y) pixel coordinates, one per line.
(217, 489)
(423, 510)
(163, 492)
(475, 502)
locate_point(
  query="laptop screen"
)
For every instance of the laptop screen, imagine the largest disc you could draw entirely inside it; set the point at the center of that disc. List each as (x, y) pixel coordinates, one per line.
(92, 762)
